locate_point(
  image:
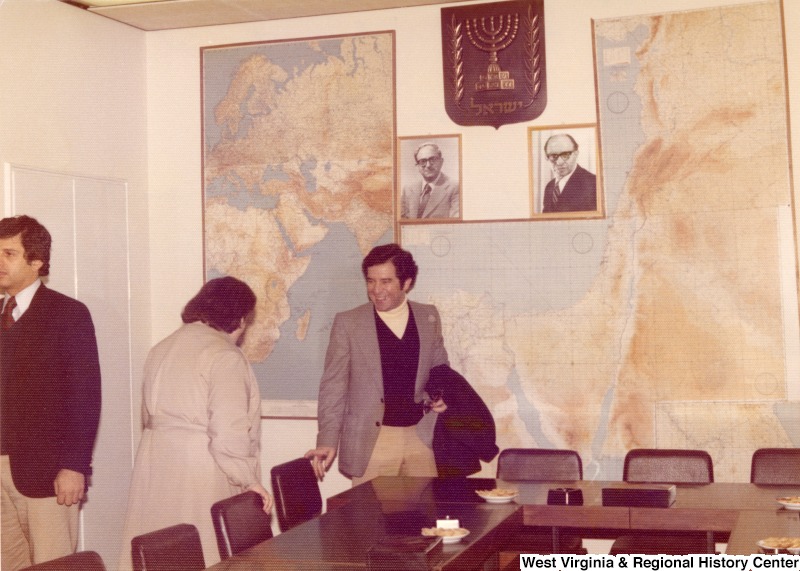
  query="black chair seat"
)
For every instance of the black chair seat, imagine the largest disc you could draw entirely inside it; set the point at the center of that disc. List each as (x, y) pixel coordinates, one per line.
(296, 491)
(175, 548)
(538, 465)
(665, 466)
(240, 523)
(776, 467)
(668, 466)
(81, 561)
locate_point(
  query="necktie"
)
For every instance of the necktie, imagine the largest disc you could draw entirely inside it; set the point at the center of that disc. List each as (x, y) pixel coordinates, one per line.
(8, 318)
(423, 200)
(556, 193)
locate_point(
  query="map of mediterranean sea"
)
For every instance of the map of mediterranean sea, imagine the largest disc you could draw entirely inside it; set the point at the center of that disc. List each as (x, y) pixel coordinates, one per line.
(667, 324)
(298, 178)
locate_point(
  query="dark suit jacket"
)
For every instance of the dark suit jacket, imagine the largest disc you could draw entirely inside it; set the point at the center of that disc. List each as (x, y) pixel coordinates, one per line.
(350, 406)
(50, 391)
(465, 433)
(579, 195)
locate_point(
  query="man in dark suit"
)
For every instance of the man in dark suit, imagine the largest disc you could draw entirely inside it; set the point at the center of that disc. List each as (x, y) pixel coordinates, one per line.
(435, 195)
(573, 188)
(373, 388)
(49, 401)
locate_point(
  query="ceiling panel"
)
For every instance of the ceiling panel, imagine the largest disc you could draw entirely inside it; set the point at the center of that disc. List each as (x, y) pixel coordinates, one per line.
(171, 14)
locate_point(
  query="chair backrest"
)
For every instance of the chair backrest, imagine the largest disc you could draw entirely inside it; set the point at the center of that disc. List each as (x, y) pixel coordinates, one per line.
(240, 523)
(81, 561)
(296, 491)
(539, 464)
(665, 466)
(778, 466)
(175, 548)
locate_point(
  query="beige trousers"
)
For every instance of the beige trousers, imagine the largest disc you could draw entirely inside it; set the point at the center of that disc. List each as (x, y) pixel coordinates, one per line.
(399, 452)
(33, 529)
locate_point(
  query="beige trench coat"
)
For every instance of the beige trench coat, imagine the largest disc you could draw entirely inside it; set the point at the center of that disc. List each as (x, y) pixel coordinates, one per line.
(201, 413)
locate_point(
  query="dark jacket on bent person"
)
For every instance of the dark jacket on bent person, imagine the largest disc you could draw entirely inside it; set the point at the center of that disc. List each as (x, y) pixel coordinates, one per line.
(465, 433)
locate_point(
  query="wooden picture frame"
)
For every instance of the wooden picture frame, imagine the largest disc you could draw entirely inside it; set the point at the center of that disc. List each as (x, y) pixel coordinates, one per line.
(445, 200)
(583, 196)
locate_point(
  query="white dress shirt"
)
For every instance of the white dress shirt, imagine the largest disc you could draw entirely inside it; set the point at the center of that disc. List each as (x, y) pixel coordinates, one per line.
(23, 299)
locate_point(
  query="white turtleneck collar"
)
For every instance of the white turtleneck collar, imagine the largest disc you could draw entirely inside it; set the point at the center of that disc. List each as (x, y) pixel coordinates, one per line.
(396, 319)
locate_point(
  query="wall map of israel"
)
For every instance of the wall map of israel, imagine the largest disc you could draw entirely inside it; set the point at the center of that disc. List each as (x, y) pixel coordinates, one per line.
(674, 315)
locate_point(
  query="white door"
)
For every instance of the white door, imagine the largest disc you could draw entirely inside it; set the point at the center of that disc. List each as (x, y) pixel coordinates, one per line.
(87, 218)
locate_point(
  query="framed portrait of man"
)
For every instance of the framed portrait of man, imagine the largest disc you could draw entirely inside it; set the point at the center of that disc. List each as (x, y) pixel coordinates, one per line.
(429, 171)
(565, 173)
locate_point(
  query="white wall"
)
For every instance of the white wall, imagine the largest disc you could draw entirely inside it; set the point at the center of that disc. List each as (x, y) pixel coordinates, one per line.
(73, 101)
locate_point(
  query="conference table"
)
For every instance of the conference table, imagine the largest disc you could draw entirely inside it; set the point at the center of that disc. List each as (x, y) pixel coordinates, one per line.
(711, 508)
(358, 518)
(341, 538)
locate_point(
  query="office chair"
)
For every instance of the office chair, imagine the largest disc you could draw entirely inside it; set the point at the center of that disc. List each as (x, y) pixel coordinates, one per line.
(539, 464)
(652, 466)
(296, 492)
(240, 523)
(81, 561)
(175, 548)
(542, 465)
(776, 466)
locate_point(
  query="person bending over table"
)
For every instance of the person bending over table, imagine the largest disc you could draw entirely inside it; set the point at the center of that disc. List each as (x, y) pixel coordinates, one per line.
(372, 392)
(201, 412)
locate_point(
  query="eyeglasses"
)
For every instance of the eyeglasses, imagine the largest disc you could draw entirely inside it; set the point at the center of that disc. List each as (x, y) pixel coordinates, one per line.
(563, 156)
(430, 161)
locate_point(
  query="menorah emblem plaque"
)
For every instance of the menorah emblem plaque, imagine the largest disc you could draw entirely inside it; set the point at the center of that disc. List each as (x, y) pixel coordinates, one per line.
(511, 87)
(490, 35)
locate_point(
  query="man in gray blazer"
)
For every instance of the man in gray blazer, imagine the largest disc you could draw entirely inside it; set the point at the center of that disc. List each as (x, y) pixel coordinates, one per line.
(372, 406)
(435, 195)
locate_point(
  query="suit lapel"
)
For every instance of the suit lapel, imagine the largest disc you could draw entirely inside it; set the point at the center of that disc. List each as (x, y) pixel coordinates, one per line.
(575, 182)
(36, 309)
(437, 194)
(367, 339)
(424, 331)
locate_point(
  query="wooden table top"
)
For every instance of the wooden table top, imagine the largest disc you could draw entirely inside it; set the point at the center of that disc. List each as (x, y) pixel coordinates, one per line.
(357, 518)
(410, 489)
(707, 507)
(342, 537)
(753, 526)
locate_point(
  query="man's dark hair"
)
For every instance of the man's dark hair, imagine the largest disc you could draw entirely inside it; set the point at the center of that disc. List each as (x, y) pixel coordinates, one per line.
(404, 265)
(221, 303)
(35, 239)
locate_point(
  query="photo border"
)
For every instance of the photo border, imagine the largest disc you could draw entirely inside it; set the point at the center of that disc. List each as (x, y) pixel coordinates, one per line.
(536, 187)
(401, 157)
